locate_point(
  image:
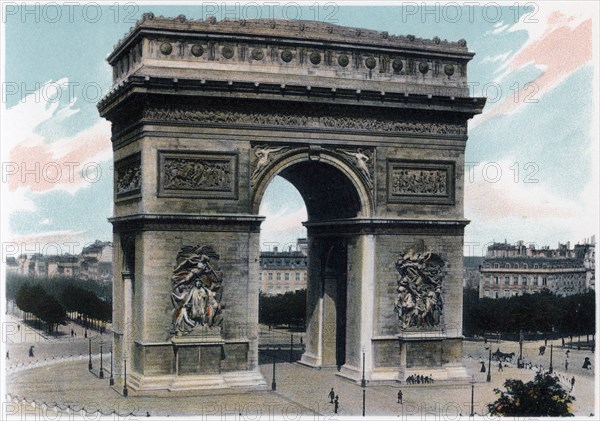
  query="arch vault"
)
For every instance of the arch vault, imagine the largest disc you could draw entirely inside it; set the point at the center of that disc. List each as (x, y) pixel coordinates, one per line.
(371, 129)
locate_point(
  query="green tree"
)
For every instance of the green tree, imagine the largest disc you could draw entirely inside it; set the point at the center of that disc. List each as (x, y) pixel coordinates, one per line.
(52, 313)
(543, 396)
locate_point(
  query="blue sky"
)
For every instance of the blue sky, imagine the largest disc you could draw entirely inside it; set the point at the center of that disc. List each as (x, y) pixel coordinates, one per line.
(552, 141)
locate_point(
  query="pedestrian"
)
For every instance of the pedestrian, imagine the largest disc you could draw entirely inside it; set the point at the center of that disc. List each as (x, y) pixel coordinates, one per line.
(72, 332)
(482, 367)
(546, 342)
(563, 342)
(31, 351)
(568, 351)
(572, 383)
(19, 327)
(85, 334)
(566, 365)
(7, 356)
(331, 395)
(301, 340)
(587, 364)
(500, 366)
(400, 397)
(336, 404)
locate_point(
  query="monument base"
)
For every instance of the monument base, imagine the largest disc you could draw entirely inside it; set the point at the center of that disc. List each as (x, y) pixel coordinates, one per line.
(236, 381)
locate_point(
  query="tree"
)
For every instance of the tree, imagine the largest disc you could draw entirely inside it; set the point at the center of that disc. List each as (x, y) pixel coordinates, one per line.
(543, 396)
(52, 312)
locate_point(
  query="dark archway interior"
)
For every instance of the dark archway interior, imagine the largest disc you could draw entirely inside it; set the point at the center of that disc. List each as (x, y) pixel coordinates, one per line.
(327, 192)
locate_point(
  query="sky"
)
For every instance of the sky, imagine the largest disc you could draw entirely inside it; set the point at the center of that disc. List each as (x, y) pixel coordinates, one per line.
(532, 156)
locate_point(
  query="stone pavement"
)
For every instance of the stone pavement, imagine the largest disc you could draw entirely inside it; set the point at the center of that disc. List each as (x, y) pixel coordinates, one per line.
(300, 390)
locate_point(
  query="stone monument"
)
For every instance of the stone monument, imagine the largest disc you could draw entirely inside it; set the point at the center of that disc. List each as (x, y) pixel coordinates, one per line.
(369, 127)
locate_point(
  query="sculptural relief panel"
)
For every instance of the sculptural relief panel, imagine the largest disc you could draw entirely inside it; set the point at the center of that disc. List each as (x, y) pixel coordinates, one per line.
(128, 177)
(420, 181)
(194, 174)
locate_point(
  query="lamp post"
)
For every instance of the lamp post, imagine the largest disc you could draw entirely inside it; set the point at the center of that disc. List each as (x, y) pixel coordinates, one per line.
(489, 373)
(292, 348)
(101, 375)
(90, 355)
(273, 382)
(125, 391)
(550, 369)
(111, 380)
(472, 395)
(363, 384)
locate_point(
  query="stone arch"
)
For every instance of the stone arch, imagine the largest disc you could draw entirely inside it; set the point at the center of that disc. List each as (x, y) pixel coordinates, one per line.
(302, 159)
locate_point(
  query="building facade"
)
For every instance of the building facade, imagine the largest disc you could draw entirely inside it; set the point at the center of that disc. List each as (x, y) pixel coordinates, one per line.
(510, 270)
(283, 271)
(94, 262)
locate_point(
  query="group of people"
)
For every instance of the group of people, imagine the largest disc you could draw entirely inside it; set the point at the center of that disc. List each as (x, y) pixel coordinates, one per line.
(335, 400)
(419, 379)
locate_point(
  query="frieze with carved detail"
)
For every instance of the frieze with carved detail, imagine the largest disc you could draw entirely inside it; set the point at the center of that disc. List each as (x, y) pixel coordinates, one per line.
(198, 174)
(335, 122)
(128, 180)
(420, 181)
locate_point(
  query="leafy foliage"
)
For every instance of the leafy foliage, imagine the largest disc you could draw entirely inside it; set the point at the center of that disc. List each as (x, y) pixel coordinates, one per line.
(51, 298)
(543, 396)
(283, 309)
(35, 300)
(542, 312)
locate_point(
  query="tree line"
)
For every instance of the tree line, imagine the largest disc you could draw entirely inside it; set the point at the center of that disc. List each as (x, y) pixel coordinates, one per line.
(540, 312)
(50, 299)
(283, 309)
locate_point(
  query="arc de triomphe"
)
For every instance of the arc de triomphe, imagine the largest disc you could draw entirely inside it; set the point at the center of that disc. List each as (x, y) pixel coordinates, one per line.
(370, 128)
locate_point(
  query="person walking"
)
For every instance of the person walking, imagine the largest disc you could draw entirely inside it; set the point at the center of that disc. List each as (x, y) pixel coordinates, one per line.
(482, 367)
(566, 364)
(400, 397)
(336, 404)
(572, 383)
(500, 366)
(331, 395)
(31, 351)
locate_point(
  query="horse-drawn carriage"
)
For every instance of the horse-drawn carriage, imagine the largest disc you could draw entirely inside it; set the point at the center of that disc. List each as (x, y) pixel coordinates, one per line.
(502, 356)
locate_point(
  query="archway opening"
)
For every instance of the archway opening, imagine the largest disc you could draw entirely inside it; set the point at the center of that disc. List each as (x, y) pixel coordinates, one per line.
(316, 192)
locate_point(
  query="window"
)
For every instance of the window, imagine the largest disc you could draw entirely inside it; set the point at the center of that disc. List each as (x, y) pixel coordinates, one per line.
(496, 280)
(496, 265)
(507, 280)
(279, 276)
(507, 265)
(496, 294)
(260, 277)
(536, 266)
(525, 266)
(297, 276)
(516, 265)
(488, 279)
(287, 276)
(524, 280)
(544, 281)
(270, 276)
(535, 280)
(507, 293)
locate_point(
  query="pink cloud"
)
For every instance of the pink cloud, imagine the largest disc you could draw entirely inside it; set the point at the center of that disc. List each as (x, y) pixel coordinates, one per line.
(562, 48)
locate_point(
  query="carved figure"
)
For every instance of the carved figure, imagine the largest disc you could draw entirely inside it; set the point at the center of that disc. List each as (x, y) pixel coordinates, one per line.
(263, 158)
(196, 289)
(419, 302)
(360, 159)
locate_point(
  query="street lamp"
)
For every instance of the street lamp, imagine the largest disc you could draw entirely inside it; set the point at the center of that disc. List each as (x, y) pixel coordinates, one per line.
(125, 391)
(292, 348)
(101, 375)
(90, 354)
(363, 384)
(489, 373)
(550, 369)
(472, 395)
(111, 380)
(273, 382)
